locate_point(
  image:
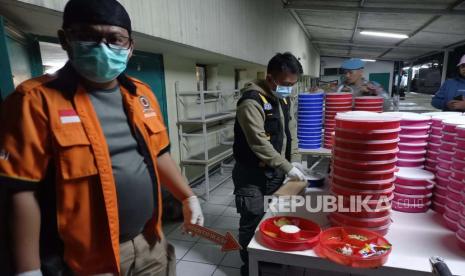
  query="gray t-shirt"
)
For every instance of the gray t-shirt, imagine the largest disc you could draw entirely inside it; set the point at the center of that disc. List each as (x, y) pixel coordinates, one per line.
(134, 185)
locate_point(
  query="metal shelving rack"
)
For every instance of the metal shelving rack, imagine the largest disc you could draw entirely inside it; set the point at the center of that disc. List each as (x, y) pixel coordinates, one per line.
(205, 125)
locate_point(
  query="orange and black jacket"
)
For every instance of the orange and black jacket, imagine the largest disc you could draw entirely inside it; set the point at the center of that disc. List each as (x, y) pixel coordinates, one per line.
(51, 141)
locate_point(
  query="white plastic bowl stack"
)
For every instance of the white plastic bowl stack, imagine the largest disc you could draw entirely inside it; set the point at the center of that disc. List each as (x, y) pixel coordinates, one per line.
(334, 103)
(363, 165)
(413, 190)
(413, 137)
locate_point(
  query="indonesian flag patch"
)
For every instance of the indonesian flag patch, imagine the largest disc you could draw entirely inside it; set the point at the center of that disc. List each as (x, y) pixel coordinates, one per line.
(68, 116)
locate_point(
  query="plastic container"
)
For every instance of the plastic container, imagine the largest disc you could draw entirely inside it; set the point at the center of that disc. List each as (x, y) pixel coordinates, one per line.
(430, 168)
(435, 139)
(440, 198)
(431, 163)
(447, 146)
(388, 134)
(421, 130)
(436, 131)
(367, 122)
(452, 214)
(454, 194)
(310, 146)
(412, 119)
(383, 230)
(364, 175)
(460, 142)
(448, 136)
(439, 190)
(459, 154)
(382, 204)
(328, 245)
(452, 204)
(358, 184)
(450, 124)
(347, 219)
(410, 208)
(444, 164)
(411, 155)
(450, 223)
(338, 95)
(413, 139)
(432, 155)
(412, 147)
(309, 234)
(460, 131)
(412, 199)
(411, 163)
(442, 181)
(433, 146)
(445, 155)
(370, 145)
(414, 177)
(365, 155)
(413, 190)
(458, 164)
(375, 194)
(369, 99)
(438, 207)
(459, 175)
(444, 173)
(365, 165)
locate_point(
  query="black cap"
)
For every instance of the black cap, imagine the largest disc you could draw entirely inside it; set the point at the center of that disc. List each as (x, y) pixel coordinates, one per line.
(102, 12)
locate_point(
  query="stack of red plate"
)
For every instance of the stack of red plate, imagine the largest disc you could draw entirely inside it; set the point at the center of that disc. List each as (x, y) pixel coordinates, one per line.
(363, 167)
(413, 190)
(413, 136)
(334, 103)
(434, 141)
(369, 103)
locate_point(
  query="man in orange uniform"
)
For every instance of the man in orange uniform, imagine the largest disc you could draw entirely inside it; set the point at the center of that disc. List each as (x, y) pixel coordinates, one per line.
(84, 152)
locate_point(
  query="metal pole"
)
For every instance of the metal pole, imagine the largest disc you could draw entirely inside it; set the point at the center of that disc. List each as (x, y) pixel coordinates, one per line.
(445, 64)
(409, 78)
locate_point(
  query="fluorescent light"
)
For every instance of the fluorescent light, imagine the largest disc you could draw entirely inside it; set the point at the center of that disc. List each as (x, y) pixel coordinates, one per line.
(368, 60)
(383, 34)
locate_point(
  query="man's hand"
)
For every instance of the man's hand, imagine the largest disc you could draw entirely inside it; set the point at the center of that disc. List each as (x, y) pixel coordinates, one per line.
(456, 105)
(296, 174)
(192, 211)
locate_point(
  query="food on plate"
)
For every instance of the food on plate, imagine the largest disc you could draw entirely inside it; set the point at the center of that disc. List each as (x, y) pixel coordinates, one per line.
(282, 221)
(289, 229)
(357, 237)
(373, 250)
(346, 250)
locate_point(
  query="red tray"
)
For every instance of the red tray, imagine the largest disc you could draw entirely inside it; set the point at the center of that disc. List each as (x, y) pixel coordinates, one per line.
(364, 165)
(389, 134)
(348, 219)
(310, 232)
(365, 155)
(364, 175)
(362, 184)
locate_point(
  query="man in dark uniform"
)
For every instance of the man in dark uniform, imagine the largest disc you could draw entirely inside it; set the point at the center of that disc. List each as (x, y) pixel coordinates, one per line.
(262, 143)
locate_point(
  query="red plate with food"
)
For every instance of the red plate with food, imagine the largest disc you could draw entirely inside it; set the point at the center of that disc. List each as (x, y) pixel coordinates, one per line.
(288, 233)
(353, 247)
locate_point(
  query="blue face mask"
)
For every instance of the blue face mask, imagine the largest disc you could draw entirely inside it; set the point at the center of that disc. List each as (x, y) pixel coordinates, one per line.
(98, 63)
(282, 91)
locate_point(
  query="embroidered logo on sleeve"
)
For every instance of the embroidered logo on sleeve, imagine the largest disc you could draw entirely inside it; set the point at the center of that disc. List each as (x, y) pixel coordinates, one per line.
(147, 108)
(4, 155)
(68, 116)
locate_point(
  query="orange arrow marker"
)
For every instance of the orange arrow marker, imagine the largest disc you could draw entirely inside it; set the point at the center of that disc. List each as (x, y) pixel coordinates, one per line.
(227, 242)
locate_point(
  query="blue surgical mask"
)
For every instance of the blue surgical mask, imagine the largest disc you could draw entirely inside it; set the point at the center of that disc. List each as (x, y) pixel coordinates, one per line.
(282, 91)
(98, 63)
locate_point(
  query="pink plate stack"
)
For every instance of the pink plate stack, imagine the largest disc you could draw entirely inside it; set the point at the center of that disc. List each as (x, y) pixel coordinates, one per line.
(414, 133)
(413, 190)
(451, 169)
(369, 103)
(363, 167)
(434, 141)
(461, 224)
(334, 103)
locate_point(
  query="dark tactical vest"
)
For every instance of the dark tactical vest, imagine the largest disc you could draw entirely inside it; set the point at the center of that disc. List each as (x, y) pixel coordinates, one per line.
(273, 129)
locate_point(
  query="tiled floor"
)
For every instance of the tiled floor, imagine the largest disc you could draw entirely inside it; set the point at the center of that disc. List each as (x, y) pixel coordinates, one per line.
(200, 257)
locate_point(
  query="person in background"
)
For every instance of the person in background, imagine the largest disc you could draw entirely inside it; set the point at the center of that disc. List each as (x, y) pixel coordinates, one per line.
(450, 96)
(83, 154)
(262, 144)
(355, 82)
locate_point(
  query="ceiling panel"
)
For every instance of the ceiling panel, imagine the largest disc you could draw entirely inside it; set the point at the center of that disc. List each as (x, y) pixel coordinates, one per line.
(436, 39)
(422, 4)
(395, 22)
(345, 20)
(328, 33)
(452, 24)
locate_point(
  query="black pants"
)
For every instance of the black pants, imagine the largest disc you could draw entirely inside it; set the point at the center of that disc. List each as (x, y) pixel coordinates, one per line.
(250, 186)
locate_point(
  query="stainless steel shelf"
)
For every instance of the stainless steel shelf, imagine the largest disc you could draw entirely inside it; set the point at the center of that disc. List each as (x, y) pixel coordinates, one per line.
(210, 118)
(215, 155)
(211, 130)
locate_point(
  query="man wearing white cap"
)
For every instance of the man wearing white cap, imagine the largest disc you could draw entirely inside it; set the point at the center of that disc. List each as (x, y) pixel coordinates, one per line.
(451, 94)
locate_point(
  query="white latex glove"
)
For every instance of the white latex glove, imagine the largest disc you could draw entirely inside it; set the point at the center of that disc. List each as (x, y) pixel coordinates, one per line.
(296, 174)
(192, 211)
(36, 272)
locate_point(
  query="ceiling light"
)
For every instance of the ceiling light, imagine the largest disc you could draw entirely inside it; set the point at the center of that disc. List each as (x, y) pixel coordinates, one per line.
(383, 34)
(368, 60)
